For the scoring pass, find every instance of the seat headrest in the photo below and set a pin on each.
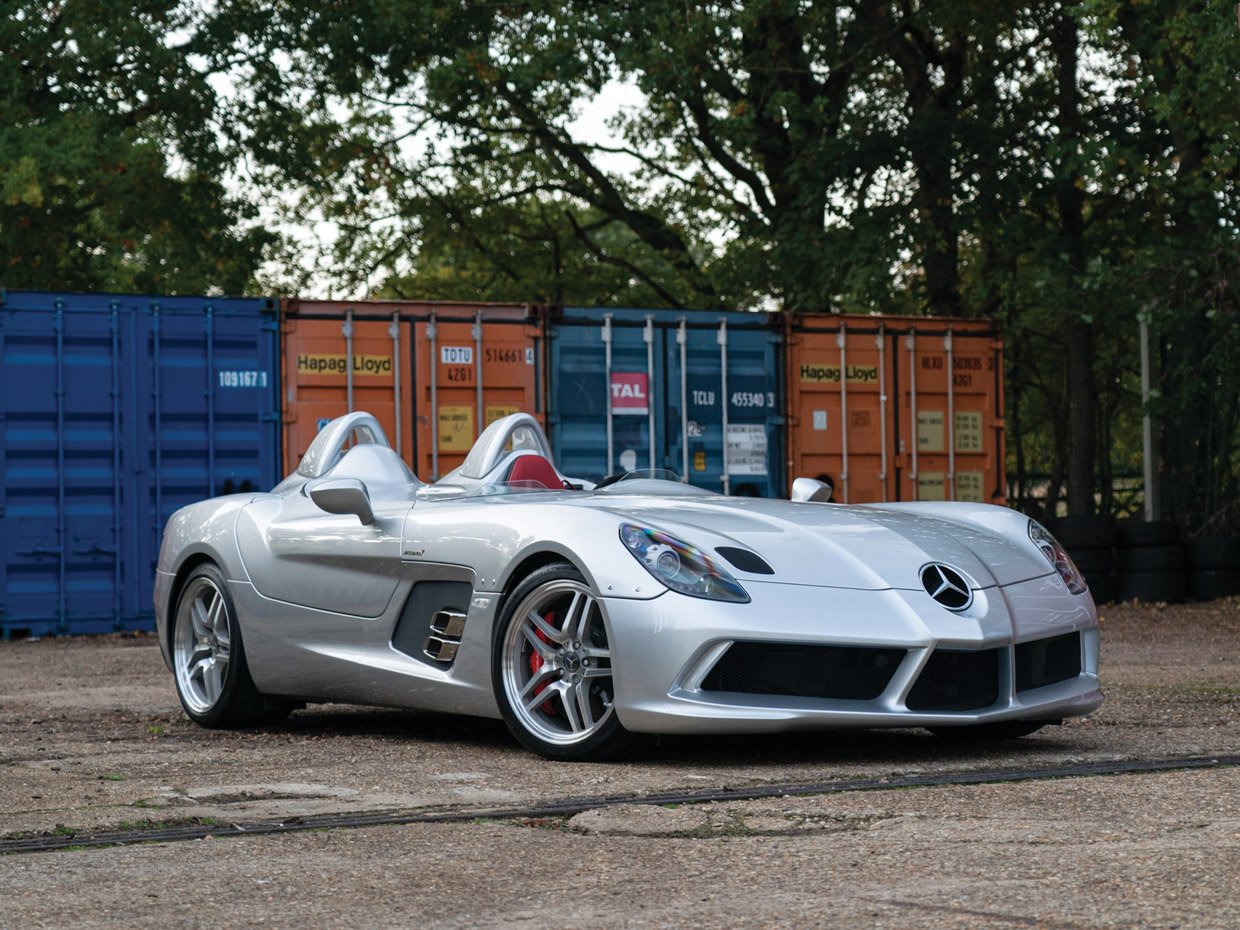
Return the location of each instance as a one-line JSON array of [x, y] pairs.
[[537, 469]]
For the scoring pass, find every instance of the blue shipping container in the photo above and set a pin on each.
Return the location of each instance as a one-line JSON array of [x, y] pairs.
[[115, 410], [631, 389]]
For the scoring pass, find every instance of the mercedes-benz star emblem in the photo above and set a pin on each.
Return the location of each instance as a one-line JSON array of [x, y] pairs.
[[947, 586]]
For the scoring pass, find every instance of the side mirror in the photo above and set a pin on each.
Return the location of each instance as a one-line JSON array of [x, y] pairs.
[[811, 490], [342, 495]]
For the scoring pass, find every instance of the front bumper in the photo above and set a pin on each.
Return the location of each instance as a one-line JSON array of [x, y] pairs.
[[662, 650]]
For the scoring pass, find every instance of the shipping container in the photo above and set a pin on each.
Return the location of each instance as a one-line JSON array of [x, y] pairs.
[[115, 410], [871, 407], [694, 392], [435, 374]]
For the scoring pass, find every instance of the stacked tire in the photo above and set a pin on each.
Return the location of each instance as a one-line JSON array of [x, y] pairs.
[[1213, 568], [1091, 543], [1150, 562]]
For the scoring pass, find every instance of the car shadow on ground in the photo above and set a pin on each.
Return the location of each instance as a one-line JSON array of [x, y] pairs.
[[905, 747]]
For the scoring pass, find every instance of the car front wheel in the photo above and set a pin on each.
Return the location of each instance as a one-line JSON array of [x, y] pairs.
[[552, 669]]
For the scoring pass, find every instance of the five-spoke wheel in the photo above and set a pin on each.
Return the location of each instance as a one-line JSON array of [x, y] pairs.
[[553, 668], [208, 658]]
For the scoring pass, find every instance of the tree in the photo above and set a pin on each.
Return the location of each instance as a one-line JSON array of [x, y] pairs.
[[111, 174]]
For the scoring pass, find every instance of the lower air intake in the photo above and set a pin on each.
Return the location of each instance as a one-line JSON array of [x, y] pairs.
[[1047, 661], [845, 673], [954, 680]]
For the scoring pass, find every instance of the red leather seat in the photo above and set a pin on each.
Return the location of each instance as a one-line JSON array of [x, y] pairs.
[[537, 469]]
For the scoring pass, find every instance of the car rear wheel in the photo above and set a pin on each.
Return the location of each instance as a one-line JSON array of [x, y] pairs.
[[552, 669], [208, 658]]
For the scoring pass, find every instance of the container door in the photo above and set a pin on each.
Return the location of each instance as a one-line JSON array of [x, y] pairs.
[[730, 437], [471, 370], [838, 376], [334, 365], [61, 481], [606, 392], [951, 430]]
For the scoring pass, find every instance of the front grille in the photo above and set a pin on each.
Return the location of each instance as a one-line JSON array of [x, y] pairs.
[[846, 673], [1046, 661], [953, 680]]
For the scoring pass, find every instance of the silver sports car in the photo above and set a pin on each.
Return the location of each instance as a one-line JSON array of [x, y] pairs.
[[585, 615]]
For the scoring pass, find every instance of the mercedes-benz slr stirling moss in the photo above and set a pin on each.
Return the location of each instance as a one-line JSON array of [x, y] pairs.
[[585, 615]]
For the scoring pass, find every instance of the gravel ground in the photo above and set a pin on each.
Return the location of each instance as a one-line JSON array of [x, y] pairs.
[[92, 737]]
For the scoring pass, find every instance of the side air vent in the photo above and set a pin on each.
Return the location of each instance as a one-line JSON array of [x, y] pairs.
[[845, 673], [745, 561], [445, 639], [432, 621]]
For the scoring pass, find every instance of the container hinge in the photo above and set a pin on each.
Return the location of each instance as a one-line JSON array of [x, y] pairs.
[[270, 416]]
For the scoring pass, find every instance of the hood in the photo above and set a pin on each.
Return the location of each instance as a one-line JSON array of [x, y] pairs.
[[838, 545]]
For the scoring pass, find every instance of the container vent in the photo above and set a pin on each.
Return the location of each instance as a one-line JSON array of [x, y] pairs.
[[847, 673], [954, 680], [1047, 661]]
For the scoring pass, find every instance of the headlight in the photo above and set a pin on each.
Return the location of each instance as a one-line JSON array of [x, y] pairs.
[[1058, 556], [680, 566]]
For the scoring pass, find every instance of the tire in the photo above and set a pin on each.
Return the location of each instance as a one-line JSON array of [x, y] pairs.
[[206, 636], [1101, 588], [1152, 559], [1210, 585], [1151, 587], [1219, 554], [1083, 532], [552, 639], [990, 732], [1137, 533], [1094, 561]]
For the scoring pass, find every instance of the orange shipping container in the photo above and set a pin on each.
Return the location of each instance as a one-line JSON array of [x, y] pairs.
[[435, 374], [871, 407]]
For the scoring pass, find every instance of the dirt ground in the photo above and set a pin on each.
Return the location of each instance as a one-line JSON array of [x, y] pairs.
[[92, 737]]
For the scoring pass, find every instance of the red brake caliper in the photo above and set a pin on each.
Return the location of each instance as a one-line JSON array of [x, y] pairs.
[[536, 663]]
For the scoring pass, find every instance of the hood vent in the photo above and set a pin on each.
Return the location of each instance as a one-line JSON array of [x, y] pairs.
[[745, 561]]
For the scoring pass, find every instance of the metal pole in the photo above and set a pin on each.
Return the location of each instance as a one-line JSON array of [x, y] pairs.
[[62, 532], [347, 329], [210, 333], [880, 344], [477, 334], [1147, 426], [394, 332], [611, 448], [432, 335], [911, 341], [682, 340], [951, 418], [648, 335], [117, 503], [841, 340], [722, 338]]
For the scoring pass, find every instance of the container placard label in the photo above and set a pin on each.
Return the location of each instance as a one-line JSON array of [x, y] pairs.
[[498, 412], [456, 428], [930, 433], [969, 487], [456, 355], [817, 373], [746, 449], [968, 431], [820, 420], [242, 378], [932, 486], [630, 394], [373, 365], [529, 355], [699, 461]]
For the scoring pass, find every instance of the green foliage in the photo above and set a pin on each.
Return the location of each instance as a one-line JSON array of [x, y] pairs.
[[111, 176]]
